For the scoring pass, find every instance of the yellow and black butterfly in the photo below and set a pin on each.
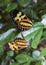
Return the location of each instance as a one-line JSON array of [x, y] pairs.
[[16, 44], [21, 21]]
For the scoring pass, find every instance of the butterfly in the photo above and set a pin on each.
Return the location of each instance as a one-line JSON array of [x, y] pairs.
[[20, 20], [16, 44]]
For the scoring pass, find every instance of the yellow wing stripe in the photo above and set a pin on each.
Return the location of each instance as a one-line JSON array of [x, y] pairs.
[[20, 43], [25, 24]]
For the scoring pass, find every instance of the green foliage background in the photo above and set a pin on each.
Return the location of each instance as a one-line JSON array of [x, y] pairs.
[[36, 11]]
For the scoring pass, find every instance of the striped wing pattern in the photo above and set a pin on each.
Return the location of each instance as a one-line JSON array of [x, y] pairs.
[[17, 44], [21, 20]]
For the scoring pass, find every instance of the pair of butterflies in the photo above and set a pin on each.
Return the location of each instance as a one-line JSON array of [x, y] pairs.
[[22, 23]]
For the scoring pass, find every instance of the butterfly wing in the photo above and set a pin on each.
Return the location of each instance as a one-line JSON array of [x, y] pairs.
[[16, 44], [21, 21]]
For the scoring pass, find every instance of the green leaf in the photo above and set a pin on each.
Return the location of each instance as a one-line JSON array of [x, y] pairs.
[[44, 16], [7, 36], [37, 38], [6, 1], [38, 24], [39, 63], [28, 63], [32, 33], [29, 36], [14, 64], [44, 33], [24, 1], [34, 14], [11, 7], [22, 58], [43, 52], [10, 53]]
